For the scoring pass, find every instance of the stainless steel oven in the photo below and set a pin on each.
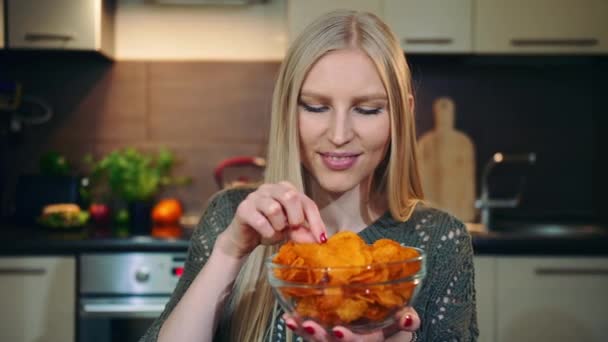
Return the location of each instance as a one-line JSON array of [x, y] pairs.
[[120, 294]]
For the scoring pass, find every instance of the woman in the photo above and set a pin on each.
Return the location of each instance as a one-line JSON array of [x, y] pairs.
[[341, 156]]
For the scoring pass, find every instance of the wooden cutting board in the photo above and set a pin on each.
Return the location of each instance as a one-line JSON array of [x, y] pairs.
[[447, 164]]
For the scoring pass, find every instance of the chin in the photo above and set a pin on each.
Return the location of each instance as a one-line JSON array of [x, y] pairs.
[[337, 184]]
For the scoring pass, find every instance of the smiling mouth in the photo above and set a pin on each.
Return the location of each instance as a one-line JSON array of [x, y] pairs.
[[339, 161]]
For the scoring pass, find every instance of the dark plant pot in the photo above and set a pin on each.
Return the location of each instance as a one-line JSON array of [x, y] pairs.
[[140, 217]]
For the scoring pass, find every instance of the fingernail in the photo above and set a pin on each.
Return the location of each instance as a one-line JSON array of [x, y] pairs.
[[338, 334], [408, 321], [309, 330], [323, 238], [291, 326]]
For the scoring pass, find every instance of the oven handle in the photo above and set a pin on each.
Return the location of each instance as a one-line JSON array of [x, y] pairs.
[[120, 310]]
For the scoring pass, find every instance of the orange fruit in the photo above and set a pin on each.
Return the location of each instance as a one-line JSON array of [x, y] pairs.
[[167, 211]]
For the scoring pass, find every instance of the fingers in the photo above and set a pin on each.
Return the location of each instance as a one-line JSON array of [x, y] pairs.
[[309, 330], [297, 211], [273, 212], [313, 217], [248, 213], [343, 334], [409, 319]]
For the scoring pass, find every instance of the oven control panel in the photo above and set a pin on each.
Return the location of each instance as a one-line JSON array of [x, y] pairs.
[[130, 273]]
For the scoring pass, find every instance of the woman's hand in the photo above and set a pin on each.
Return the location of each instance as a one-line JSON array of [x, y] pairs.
[[407, 322], [269, 215]]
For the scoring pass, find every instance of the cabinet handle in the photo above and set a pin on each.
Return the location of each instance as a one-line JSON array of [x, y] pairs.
[[555, 42], [427, 41], [33, 37], [22, 271], [549, 271]]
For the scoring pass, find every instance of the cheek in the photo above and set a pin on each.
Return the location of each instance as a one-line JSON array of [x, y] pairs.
[[309, 131], [376, 133]]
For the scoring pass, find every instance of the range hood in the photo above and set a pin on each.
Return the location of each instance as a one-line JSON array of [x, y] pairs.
[[206, 2]]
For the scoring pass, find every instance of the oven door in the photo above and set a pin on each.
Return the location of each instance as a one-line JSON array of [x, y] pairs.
[[117, 319]]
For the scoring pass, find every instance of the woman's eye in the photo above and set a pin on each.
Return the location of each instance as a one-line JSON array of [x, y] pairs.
[[368, 111], [313, 109]]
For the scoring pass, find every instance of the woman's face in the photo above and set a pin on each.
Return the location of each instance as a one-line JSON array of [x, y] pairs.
[[343, 120]]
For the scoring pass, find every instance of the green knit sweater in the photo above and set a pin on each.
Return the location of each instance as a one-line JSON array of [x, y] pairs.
[[445, 302]]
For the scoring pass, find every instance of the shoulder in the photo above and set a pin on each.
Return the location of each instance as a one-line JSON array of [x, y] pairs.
[[443, 234], [228, 199], [438, 219]]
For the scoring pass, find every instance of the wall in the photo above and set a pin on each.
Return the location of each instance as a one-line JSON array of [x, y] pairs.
[[202, 111], [207, 111], [240, 32]]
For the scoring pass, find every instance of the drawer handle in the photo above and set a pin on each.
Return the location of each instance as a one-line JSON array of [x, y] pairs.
[[34, 37], [571, 271], [585, 42], [22, 271], [427, 41]]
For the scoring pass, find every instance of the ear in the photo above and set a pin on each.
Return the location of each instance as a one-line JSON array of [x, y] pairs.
[[410, 102]]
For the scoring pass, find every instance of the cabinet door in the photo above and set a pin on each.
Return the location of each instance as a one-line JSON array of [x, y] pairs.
[[431, 25], [301, 13], [56, 24], [541, 26], [552, 299], [37, 299], [1, 24], [485, 288]]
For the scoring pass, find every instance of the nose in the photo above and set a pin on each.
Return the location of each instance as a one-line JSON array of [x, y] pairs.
[[341, 129]]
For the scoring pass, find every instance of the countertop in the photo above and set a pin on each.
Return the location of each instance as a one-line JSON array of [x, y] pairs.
[[33, 240]]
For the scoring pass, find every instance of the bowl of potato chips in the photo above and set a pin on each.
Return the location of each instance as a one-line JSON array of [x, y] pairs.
[[346, 282]]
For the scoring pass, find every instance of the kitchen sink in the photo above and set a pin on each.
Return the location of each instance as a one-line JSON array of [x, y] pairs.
[[548, 229]]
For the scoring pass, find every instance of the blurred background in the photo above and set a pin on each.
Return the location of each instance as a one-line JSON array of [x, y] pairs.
[[135, 112]]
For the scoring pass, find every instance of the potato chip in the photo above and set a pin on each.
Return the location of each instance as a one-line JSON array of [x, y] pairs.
[[363, 282], [351, 309]]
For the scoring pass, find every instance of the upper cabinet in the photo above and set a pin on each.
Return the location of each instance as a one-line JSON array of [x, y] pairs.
[[478, 26], [301, 13], [541, 26], [436, 26], [61, 24], [1, 24]]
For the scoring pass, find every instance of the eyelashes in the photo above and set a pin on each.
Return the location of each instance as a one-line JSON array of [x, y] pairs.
[[321, 109], [313, 109]]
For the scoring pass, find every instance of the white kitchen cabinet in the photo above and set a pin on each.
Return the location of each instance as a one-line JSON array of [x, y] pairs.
[[61, 24], [485, 288], [37, 299], [301, 13], [431, 26], [551, 299], [541, 26]]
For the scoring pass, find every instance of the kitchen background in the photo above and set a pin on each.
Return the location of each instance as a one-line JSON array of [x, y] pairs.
[[525, 76], [184, 86]]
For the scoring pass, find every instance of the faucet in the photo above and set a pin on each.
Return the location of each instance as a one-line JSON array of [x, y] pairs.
[[485, 203]]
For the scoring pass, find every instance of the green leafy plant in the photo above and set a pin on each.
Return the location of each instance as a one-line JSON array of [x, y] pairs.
[[134, 176]]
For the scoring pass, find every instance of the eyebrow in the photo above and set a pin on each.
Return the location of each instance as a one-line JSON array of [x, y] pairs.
[[360, 98]]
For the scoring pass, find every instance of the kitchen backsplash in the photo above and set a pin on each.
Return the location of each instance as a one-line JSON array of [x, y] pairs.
[[208, 111]]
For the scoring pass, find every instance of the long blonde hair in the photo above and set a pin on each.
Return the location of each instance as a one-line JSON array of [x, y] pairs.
[[396, 177]]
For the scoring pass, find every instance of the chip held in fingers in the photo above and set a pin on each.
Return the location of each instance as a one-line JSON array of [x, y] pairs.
[[346, 281]]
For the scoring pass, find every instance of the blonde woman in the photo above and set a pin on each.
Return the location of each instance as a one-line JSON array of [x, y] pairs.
[[341, 157]]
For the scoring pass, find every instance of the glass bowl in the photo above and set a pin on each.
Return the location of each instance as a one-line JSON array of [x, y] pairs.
[[360, 298]]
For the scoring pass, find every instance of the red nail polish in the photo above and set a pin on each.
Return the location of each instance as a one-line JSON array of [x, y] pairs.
[[338, 334], [408, 321], [291, 326], [309, 330], [323, 238]]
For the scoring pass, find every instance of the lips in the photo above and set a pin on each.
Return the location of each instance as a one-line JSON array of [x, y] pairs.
[[339, 160]]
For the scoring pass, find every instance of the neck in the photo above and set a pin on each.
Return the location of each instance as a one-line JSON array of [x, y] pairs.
[[349, 210]]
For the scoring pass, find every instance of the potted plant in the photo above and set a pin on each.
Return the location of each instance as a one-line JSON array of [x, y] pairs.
[[135, 178]]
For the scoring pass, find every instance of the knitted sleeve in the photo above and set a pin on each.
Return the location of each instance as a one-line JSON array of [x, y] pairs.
[[216, 218], [451, 309]]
